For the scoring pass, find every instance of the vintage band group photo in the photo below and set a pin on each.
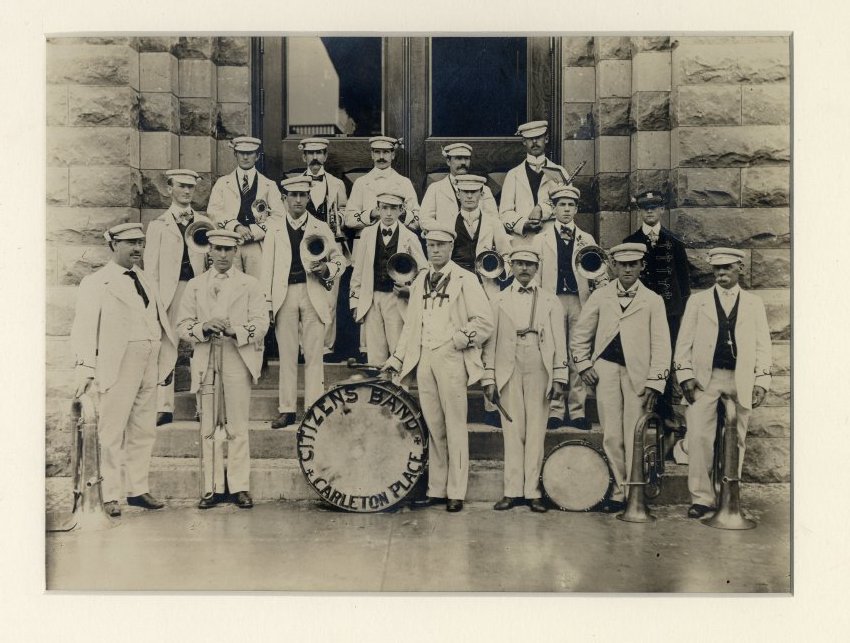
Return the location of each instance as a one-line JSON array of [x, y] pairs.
[[558, 283]]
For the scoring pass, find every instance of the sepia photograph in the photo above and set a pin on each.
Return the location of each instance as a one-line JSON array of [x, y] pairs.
[[422, 312]]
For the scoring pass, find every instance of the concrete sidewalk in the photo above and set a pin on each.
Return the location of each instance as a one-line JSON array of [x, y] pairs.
[[300, 546]]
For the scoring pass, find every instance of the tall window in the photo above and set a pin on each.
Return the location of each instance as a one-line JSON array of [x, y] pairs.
[[333, 86], [478, 86]]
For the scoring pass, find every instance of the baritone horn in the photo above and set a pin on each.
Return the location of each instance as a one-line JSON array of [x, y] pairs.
[[402, 268], [647, 469], [590, 262], [489, 264], [196, 235], [87, 512], [725, 471]]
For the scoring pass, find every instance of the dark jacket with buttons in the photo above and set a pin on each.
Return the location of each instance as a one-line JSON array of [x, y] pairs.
[[666, 272]]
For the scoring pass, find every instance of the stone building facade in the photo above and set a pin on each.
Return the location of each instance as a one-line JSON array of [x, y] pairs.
[[707, 117]]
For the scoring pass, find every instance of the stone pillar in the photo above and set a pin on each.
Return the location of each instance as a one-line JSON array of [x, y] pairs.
[[232, 57], [730, 159], [93, 183], [612, 129]]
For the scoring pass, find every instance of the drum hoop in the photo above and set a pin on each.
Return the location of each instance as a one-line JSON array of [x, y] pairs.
[[583, 443], [395, 390]]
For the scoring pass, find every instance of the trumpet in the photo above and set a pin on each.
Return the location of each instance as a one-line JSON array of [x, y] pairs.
[[260, 210], [213, 414], [724, 470], [489, 264], [196, 235], [402, 268], [590, 262], [87, 512], [647, 469]]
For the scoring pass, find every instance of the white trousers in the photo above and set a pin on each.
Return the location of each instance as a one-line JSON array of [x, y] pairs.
[[382, 325], [524, 398], [236, 379], [250, 260], [619, 410], [441, 378], [298, 309], [330, 328], [701, 417], [574, 406], [165, 393], [127, 423]]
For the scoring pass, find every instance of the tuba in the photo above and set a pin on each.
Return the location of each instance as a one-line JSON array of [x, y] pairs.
[[212, 413], [402, 268], [196, 235], [647, 469], [590, 263], [490, 265], [725, 472], [87, 512]]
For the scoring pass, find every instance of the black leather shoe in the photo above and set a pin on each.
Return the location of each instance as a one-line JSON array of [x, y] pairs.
[[507, 503], [164, 418], [579, 423], [283, 420], [493, 418], [554, 423], [208, 502], [453, 506], [698, 511], [613, 506], [538, 505], [112, 509], [427, 501], [242, 499], [146, 501]]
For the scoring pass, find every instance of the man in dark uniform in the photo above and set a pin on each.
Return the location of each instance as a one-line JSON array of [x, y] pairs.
[[665, 273]]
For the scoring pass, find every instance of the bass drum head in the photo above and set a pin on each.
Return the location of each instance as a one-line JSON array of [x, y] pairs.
[[363, 446], [576, 476]]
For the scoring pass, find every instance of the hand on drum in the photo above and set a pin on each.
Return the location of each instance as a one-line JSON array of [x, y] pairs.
[[491, 393], [689, 389], [589, 376], [650, 396], [388, 367]]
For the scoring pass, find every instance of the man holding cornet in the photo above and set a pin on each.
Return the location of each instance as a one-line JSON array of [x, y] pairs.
[[226, 306], [170, 262], [560, 274], [377, 300], [300, 262], [621, 345], [119, 329], [243, 200], [723, 347]]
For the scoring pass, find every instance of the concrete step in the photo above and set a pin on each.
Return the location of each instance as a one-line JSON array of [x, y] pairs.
[[282, 479], [180, 440], [264, 405]]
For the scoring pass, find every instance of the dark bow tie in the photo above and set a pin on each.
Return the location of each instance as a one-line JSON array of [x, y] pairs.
[[386, 232], [317, 177], [566, 233], [525, 289], [626, 293]]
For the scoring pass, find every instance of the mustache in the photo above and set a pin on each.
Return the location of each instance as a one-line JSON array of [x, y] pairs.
[[315, 162]]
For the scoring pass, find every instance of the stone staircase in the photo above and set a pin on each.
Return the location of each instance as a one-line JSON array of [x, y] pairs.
[[275, 472]]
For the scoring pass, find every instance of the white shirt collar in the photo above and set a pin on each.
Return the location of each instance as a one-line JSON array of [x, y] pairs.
[[471, 217], [230, 272], [176, 209], [515, 286], [647, 229], [121, 269], [535, 160], [299, 222], [391, 228], [731, 292], [445, 270], [321, 172], [387, 173], [632, 289], [249, 173], [570, 226]]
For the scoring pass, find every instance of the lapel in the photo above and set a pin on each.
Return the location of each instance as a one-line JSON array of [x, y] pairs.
[[131, 298], [171, 224], [231, 184], [549, 239], [638, 303], [455, 282], [447, 191], [522, 180], [708, 308]]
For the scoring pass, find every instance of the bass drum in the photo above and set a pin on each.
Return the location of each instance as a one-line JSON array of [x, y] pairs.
[[576, 476], [363, 445]]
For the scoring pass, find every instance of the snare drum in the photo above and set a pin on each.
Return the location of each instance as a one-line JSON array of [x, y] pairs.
[[576, 476], [363, 445]]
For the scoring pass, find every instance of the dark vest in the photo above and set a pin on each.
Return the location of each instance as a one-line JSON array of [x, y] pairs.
[[465, 245], [297, 274], [382, 281], [245, 216], [186, 270], [567, 284], [320, 212], [534, 180], [725, 355], [614, 352]]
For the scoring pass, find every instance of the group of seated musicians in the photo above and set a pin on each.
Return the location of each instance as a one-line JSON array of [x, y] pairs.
[[535, 342]]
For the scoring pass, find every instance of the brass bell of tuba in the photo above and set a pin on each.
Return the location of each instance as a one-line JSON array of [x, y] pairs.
[[196, 235], [260, 210], [316, 247], [489, 264], [402, 268], [647, 469], [590, 262], [725, 471]]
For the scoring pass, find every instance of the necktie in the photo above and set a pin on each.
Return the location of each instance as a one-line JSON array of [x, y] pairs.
[[218, 284], [435, 279], [566, 233], [629, 294], [524, 289], [139, 288], [653, 238], [245, 186], [185, 217], [318, 177], [386, 232]]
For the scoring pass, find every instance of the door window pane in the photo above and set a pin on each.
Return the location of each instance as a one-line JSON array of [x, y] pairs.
[[333, 86], [478, 86]]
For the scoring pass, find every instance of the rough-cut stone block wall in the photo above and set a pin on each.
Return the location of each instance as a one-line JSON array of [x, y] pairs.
[[121, 111]]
